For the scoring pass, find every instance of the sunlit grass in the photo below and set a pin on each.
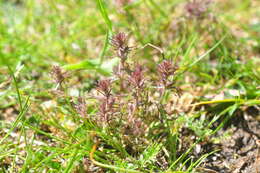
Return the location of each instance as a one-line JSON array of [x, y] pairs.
[[218, 74]]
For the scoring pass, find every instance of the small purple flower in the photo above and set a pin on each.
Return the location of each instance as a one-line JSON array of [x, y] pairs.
[[80, 107], [165, 70], [137, 77], [123, 2], [119, 40], [106, 109], [135, 125], [197, 8], [138, 127], [120, 43], [106, 106], [58, 75], [104, 87]]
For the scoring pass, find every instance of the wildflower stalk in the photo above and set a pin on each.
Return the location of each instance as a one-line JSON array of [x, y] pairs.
[[137, 80], [106, 107], [120, 44]]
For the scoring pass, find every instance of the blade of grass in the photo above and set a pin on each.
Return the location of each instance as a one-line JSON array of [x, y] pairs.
[[91, 156], [230, 110], [106, 68], [105, 48], [47, 134], [183, 70], [218, 101], [192, 42], [16, 87], [116, 144], [157, 7], [150, 153], [19, 117], [200, 160], [241, 101], [72, 160], [173, 165], [65, 150], [103, 11]]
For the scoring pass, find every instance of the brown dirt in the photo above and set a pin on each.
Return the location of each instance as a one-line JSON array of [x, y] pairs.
[[240, 152]]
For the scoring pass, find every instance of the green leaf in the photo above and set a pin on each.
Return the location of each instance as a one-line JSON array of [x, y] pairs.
[[86, 64], [106, 68]]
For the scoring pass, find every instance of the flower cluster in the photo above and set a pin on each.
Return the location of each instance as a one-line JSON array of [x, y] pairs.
[[122, 3], [165, 70], [137, 77], [120, 44], [104, 87], [106, 107], [197, 8], [135, 125], [80, 107], [58, 75], [128, 102]]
